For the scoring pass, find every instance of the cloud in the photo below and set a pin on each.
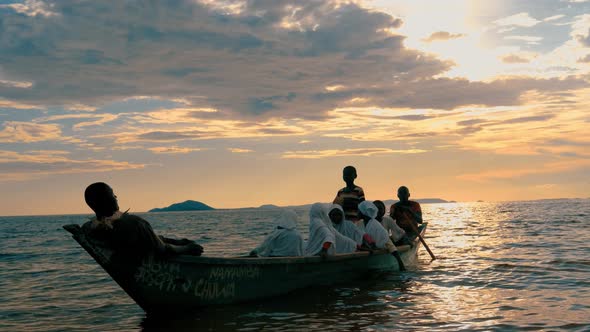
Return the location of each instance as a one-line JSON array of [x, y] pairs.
[[222, 44], [443, 35], [31, 8], [173, 150], [520, 20], [186, 124], [528, 39], [37, 164], [524, 119], [584, 39], [471, 122], [17, 105], [239, 150], [16, 84], [254, 59], [316, 154], [80, 107], [553, 18], [24, 132], [101, 118], [514, 58], [585, 59], [580, 30]]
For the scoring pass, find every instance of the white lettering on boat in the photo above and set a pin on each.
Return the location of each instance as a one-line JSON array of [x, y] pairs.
[[214, 290], [233, 273], [220, 284], [162, 275]]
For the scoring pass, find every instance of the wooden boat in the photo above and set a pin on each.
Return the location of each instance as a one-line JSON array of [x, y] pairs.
[[163, 284]]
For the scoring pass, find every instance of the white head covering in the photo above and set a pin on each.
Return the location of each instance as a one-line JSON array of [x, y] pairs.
[[374, 227], [347, 227], [287, 220], [285, 240], [368, 209], [319, 231]]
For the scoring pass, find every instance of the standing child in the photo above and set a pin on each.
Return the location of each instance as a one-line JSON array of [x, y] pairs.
[[350, 196]]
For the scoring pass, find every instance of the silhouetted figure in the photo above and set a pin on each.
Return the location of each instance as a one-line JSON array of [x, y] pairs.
[[396, 233], [368, 211], [350, 196], [406, 213], [285, 240], [128, 235]]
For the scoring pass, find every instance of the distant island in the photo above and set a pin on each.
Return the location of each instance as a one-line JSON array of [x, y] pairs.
[[198, 206], [184, 206], [269, 207]]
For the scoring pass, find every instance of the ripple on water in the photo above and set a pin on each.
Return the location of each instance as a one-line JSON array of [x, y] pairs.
[[504, 266]]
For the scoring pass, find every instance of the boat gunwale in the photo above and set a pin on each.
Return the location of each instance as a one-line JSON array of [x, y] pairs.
[[273, 260], [77, 232]]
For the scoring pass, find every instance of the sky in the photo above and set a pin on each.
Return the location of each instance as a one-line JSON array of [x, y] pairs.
[[239, 103]]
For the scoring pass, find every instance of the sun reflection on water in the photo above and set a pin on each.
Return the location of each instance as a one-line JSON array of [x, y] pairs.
[[500, 266]]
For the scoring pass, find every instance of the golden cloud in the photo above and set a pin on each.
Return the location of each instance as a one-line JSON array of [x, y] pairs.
[[173, 150], [25, 132], [37, 164], [238, 150], [316, 154]]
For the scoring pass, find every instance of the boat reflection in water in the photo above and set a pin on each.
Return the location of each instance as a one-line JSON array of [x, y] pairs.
[[360, 304]]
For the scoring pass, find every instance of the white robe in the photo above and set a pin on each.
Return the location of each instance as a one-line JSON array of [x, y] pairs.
[[285, 240], [374, 227], [321, 231], [396, 232], [347, 227]]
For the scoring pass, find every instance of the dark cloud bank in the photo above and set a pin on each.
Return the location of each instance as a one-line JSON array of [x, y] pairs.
[[269, 58]]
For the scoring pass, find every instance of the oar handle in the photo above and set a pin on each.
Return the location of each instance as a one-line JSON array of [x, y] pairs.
[[422, 240]]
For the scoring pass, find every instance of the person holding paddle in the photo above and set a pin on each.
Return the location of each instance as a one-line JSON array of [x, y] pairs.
[[406, 213]]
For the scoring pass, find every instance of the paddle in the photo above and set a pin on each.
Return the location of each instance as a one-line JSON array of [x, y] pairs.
[[418, 233], [422, 240]]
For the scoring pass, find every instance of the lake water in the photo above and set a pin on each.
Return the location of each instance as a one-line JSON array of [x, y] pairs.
[[501, 266]]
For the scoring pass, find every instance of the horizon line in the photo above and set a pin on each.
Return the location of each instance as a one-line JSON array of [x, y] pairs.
[[299, 205]]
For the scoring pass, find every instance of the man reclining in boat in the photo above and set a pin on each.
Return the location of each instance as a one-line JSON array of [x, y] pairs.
[[126, 233], [284, 241], [368, 212]]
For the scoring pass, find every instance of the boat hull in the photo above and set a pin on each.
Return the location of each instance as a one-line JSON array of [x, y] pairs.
[[162, 284]]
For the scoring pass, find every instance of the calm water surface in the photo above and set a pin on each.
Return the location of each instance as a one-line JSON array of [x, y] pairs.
[[502, 266]]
